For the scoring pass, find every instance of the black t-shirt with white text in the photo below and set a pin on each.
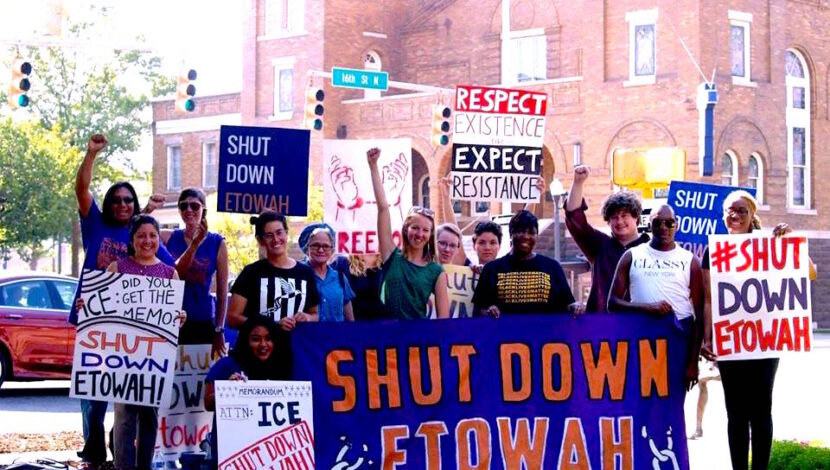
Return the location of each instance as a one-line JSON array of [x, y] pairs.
[[275, 292]]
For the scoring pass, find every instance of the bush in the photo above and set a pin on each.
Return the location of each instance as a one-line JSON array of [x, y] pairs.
[[790, 455]]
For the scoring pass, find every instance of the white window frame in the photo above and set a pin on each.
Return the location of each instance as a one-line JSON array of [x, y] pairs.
[[205, 182], [279, 64], [798, 118], [634, 19], [510, 41], [273, 18], [744, 20], [733, 159], [170, 183], [759, 180], [421, 193]]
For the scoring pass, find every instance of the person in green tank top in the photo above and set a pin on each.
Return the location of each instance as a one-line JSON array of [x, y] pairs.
[[410, 275]]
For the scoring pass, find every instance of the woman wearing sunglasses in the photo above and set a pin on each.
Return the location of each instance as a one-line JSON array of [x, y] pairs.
[[200, 255], [747, 384], [410, 275]]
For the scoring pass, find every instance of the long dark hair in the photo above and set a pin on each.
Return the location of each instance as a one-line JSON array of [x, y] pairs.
[[278, 365], [135, 223], [107, 214]]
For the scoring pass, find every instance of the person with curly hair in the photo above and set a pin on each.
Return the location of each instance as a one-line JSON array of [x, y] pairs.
[[622, 212]]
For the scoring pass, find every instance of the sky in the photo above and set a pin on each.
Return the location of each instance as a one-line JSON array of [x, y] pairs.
[[204, 35]]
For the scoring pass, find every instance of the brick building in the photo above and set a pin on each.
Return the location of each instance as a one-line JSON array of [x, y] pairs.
[[617, 74]]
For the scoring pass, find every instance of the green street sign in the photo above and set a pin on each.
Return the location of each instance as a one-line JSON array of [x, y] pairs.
[[356, 78]]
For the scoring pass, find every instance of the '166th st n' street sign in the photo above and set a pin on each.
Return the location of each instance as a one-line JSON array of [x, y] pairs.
[[355, 78]]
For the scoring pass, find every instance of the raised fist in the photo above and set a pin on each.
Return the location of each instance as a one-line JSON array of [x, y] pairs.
[[581, 173], [96, 143]]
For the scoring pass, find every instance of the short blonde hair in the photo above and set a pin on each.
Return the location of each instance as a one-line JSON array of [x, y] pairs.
[[755, 223]]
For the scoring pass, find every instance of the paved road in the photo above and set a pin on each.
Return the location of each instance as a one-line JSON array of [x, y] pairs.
[[801, 408]]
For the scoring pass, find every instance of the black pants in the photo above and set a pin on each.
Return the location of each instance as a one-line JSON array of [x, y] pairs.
[[747, 389]]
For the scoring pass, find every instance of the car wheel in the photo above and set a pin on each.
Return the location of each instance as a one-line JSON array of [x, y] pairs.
[[5, 366]]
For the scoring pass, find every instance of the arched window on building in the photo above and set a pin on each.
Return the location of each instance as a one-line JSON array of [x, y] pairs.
[[423, 195], [729, 169], [755, 176], [372, 62], [798, 130]]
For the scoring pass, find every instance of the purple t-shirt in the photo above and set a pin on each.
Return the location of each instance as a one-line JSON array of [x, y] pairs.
[[197, 300], [104, 244]]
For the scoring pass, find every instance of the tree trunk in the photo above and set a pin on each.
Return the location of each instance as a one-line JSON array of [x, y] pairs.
[[76, 247]]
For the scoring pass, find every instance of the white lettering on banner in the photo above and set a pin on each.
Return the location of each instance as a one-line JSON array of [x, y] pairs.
[[499, 100], [249, 174], [496, 159], [695, 200], [248, 145], [494, 186]]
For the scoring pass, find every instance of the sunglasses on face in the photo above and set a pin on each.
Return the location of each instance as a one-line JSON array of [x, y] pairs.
[[116, 200], [657, 223], [194, 206], [422, 211], [741, 211]]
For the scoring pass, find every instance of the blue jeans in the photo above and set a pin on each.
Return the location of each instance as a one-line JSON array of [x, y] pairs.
[[95, 448]]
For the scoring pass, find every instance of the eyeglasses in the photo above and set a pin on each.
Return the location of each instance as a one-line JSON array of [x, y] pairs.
[[741, 211], [194, 206], [657, 223], [319, 247], [446, 245], [269, 236], [116, 200], [422, 211]]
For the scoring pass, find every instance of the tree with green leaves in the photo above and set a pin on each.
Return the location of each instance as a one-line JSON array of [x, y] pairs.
[[76, 94]]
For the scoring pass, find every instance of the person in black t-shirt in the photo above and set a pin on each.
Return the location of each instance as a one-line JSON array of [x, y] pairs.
[[523, 281], [277, 286]]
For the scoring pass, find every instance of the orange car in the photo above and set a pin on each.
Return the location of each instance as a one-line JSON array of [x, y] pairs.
[[36, 338]]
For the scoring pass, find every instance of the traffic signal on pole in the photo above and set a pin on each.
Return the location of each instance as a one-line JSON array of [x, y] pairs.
[[186, 91], [20, 83], [314, 108], [441, 125]]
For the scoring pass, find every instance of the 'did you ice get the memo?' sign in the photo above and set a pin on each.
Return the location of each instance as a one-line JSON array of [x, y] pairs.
[[126, 339], [263, 168], [760, 295]]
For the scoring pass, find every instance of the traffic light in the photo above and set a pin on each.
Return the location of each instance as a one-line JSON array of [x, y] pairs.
[[314, 108], [20, 83], [185, 92], [440, 125]]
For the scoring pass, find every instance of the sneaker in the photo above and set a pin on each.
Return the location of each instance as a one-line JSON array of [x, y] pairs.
[[697, 435]]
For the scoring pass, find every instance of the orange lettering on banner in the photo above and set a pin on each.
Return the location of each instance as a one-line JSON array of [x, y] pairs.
[[517, 448], [654, 368], [606, 369], [431, 432], [480, 431], [375, 379], [391, 455], [563, 352], [347, 383], [462, 353], [416, 375], [621, 444], [508, 351], [574, 452]]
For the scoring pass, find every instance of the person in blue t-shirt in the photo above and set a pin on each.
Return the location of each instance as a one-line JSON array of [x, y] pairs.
[[200, 255], [256, 355], [105, 233], [336, 295]]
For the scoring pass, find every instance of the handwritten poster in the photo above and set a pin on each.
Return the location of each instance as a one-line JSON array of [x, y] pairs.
[[348, 198], [264, 424], [127, 338], [498, 135], [183, 422], [461, 284], [760, 296]]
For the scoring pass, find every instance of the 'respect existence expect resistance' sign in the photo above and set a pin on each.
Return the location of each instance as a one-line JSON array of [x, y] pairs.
[[497, 144], [263, 168]]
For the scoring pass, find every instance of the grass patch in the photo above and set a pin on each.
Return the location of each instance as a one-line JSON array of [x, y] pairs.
[[794, 455]]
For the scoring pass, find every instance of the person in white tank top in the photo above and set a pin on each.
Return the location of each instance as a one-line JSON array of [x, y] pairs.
[[662, 278]]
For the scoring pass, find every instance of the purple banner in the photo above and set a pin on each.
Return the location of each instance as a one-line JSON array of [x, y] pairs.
[[543, 391]]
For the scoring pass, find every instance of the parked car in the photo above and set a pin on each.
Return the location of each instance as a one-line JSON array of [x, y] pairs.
[[36, 338]]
